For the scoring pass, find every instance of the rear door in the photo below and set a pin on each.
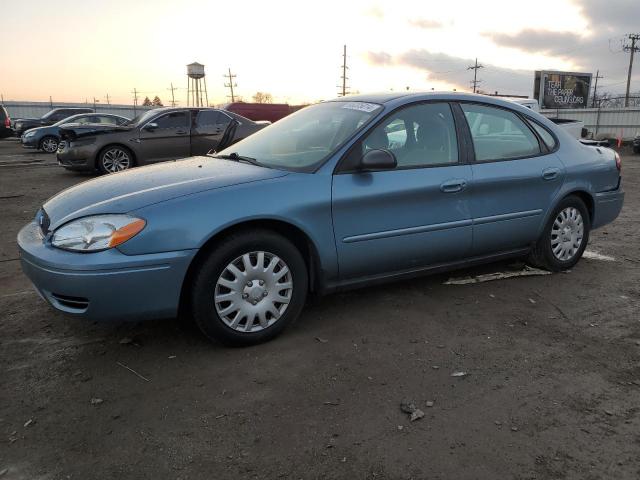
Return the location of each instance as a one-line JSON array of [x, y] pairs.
[[170, 140], [515, 178], [410, 217], [208, 130]]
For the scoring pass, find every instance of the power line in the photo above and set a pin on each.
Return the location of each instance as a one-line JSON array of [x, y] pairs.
[[475, 82], [231, 84], [633, 37], [173, 99], [595, 89], [135, 101], [344, 92]]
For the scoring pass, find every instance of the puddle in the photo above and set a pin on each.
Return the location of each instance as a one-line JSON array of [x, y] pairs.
[[591, 255], [489, 277]]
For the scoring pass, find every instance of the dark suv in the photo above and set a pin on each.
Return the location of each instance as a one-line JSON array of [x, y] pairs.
[[49, 118], [5, 123]]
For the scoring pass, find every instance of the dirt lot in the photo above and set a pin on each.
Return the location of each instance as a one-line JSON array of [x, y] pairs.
[[552, 391]]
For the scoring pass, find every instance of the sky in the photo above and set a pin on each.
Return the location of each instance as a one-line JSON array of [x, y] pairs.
[[83, 49]]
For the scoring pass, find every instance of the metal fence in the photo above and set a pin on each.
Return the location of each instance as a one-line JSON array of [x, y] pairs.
[[18, 109], [610, 122]]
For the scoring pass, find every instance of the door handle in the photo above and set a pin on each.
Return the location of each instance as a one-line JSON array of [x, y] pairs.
[[550, 173], [453, 186]]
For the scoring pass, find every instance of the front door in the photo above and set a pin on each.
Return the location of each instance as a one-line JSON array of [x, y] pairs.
[[208, 131], [410, 217], [168, 141], [515, 178]]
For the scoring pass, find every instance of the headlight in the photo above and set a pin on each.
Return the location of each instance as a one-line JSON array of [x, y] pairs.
[[29, 134], [95, 233]]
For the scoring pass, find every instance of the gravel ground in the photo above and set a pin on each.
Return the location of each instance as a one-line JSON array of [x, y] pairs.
[[552, 387]]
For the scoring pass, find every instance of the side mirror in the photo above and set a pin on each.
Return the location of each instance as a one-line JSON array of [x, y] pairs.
[[151, 126], [378, 160]]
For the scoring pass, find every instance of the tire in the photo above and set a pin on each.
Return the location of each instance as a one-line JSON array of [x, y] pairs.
[[114, 159], [562, 244], [49, 144], [239, 306], [636, 149]]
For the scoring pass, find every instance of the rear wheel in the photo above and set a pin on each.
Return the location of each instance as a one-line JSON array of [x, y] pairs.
[[564, 238], [49, 144], [115, 159], [249, 289]]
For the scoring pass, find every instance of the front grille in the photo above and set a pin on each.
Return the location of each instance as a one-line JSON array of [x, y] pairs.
[[73, 303], [44, 222]]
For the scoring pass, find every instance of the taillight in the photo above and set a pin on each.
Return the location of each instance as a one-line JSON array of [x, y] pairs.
[[7, 122], [618, 162]]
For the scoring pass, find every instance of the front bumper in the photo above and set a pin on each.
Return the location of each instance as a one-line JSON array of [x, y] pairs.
[[607, 207], [30, 142], [107, 285], [76, 157]]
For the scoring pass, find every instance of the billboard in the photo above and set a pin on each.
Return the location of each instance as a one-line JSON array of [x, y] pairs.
[[555, 89]]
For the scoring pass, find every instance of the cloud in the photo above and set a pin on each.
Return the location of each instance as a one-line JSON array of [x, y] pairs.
[[536, 41], [441, 67], [598, 48], [378, 58], [425, 24]]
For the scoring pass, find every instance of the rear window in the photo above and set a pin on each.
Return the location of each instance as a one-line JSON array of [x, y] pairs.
[[3, 113]]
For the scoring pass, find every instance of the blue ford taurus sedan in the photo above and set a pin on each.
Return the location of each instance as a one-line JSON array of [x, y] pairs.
[[341, 194]]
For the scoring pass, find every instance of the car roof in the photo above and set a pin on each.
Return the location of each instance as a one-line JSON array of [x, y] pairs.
[[392, 99]]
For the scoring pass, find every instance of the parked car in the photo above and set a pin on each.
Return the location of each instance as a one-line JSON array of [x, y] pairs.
[[636, 144], [155, 136], [322, 201], [53, 116], [48, 138], [5, 123], [575, 128]]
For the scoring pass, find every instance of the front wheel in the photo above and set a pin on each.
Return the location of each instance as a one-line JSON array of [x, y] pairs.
[[564, 238], [115, 159], [49, 144], [249, 289]]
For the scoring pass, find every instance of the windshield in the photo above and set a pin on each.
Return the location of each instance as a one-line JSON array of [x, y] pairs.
[[69, 119], [303, 140], [143, 117]]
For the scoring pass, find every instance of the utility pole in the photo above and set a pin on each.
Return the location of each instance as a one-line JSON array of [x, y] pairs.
[[343, 89], [50, 102], [107, 98], [135, 101], [595, 89], [634, 37], [94, 103], [231, 84], [475, 68], [173, 98]]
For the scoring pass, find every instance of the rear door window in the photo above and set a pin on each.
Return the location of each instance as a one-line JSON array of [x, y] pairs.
[[499, 134]]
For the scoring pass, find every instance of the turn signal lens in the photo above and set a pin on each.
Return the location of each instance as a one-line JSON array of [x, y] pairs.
[[123, 234]]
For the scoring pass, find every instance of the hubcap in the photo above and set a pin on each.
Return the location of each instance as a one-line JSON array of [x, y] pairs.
[[115, 160], [253, 291], [49, 145], [567, 233]]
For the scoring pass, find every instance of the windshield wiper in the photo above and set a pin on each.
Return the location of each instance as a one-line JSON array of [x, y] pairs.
[[239, 158]]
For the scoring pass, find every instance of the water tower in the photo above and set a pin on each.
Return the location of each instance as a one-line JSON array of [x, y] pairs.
[[195, 81]]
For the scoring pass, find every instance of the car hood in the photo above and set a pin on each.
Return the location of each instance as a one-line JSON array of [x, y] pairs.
[[139, 187], [41, 130], [71, 131], [28, 120]]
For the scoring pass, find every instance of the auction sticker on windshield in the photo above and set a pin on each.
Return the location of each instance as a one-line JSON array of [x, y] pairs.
[[362, 106]]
